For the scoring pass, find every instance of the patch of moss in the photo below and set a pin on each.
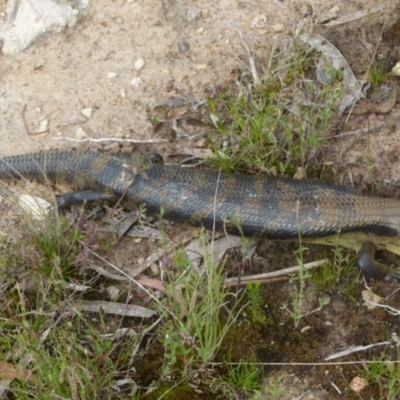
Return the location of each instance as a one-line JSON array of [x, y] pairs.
[[148, 367], [243, 342]]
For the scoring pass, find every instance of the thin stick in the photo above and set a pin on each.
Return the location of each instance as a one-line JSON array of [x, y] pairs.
[[112, 140], [275, 274]]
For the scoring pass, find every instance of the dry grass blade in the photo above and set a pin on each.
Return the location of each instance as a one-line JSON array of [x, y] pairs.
[[252, 64], [354, 349], [126, 310], [107, 274], [357, 15]]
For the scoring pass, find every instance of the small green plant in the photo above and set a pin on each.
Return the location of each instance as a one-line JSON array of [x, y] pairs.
[[377, 74], [244, 377], [194, 325], [386, 375], [255, 306], [298, 294], [264, 127], [51, 348], [333, 269], [58, 246]]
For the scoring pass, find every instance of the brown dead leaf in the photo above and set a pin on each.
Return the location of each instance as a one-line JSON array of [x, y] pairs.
[[153, 283], [9, 371]]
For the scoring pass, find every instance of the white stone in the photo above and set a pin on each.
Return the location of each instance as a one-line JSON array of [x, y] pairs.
[[136, 82], [396, 69], [32, 20], [277, 27], [139, 64], [44, 126], [112, 75], [113, 292], [37, 207], [87, 112]]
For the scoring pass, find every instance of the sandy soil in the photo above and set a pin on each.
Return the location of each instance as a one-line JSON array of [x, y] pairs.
[[59, 76]]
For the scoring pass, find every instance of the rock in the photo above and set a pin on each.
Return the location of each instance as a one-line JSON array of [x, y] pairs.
[[192, 13], [136, 82], [87, 112], [76, 119], [396, 69], [32, 20], [112, 148], [80, 134], [358, 384], [139, 64], [183, 46], [37, 207], [277, 27], [113, 292], [44, 126]]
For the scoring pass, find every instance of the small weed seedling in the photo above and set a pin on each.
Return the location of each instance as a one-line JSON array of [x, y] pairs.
[[255, 305]]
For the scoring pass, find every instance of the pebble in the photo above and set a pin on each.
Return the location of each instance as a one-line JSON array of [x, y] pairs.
[[44, 126], [358, 384], [277, 27], [35, 206], [193, 13], [112, 75], [112, 148], [80, 134], [396, 69], [200, 66], [183, 46], [136, 82], [139, 64], [87, 112], [154, 269], [113, 292]]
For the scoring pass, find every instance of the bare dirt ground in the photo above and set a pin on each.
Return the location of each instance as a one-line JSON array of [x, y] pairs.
[[61, 75], [189, 48]]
